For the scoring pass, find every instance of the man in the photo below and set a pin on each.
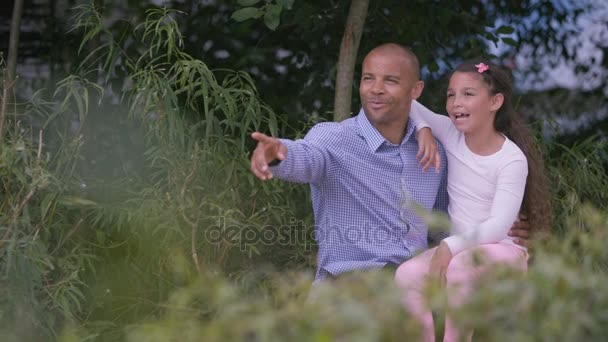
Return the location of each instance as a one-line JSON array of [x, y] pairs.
[[364, 173]]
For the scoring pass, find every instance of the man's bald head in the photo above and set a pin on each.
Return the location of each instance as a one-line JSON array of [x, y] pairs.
[[397, 49], [390, 81]]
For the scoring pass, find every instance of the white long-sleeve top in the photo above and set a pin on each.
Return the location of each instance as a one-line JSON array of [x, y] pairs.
[[485, 192]]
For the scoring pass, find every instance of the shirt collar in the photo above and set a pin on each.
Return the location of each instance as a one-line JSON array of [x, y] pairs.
[[371, 135]]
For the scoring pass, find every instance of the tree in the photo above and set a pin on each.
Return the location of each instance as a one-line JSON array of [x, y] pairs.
[[295, 66], [11, 67], [347, 60], [441, 33]]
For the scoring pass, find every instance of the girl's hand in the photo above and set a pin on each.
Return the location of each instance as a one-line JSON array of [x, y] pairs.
[[428, 153], [439, 264]]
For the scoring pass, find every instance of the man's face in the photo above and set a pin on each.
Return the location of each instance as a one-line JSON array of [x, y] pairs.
[[388, 86]]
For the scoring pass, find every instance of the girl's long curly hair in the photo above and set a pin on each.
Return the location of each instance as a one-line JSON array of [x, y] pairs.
[[537, 197]]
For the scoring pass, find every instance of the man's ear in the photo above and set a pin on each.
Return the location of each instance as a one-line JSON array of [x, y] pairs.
[[497, 101], [417, 89]]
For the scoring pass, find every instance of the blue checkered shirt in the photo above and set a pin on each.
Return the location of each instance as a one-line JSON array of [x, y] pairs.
[[362, 190]]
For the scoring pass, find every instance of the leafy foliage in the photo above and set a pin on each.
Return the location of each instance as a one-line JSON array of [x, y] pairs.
[[270, 10], [363, 306], [40, 262], [61, 227], [151, 227], [577, 173]]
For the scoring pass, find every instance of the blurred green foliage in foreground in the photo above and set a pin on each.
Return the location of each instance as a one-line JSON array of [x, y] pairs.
[[174, 239]]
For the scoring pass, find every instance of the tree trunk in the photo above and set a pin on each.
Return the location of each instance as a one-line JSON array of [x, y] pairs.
[[11, 63], [348, 56], [13, 44]]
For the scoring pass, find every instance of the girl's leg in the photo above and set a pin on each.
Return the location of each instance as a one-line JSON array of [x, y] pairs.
[[467, 266], [411, 277]]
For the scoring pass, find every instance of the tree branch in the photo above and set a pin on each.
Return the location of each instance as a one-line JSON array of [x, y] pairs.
[[348, 56], [3, 109], [13, 44]]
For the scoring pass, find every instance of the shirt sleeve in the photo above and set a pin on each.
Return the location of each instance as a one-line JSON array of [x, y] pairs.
[[312, 159], [441, 203], [505, 208], [423, 117]]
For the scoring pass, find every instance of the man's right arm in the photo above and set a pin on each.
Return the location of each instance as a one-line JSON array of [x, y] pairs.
[[303, 161], [268, 150]]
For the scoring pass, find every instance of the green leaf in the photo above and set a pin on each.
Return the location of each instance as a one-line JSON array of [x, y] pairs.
[[46, 203], [272, 17], [445, 15], [505, 30], [101, 237], [73, 201], [288, 4], [247, 3], [434, 67], [510, 41], [247, 13]]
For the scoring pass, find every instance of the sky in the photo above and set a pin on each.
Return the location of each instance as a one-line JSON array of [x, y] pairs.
[[591, 35]]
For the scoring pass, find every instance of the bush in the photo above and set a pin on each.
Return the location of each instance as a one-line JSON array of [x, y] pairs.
[[98, 250], [562, 298]]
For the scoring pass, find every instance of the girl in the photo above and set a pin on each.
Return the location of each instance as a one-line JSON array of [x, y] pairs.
[[490, 155]]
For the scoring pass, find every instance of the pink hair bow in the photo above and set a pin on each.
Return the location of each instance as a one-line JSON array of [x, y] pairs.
[[481, 67]]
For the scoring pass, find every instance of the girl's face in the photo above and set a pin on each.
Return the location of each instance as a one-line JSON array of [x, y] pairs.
[[470, 104]]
